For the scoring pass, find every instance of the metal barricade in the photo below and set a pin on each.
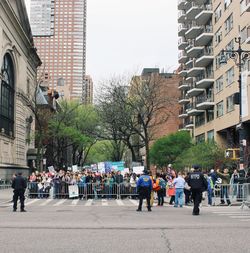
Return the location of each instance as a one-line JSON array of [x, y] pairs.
[[127, 190], [223, 193], [246, 196], [5, 186]]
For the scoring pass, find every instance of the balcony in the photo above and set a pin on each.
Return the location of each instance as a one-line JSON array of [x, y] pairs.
[[204, 82], [193, 11], [199, 1], [182, 29], [205, 36], [181, 16], [182, 43], [189, 124], [194, 71], [245, 6], [205, 57], [181, 4], [205, 15], [183, 100], [194, 91], [193, 31], [182, 57], [193, 51], [193, 111], [182, 113], [205, 102], [183, 85]]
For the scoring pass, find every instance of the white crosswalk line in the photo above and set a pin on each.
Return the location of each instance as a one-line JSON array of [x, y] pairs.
[[89, 202], [74, 202], [60, 202], [119, 202], [46, 202], [31, 202], [104, 202], [239, 217], [134, 202]]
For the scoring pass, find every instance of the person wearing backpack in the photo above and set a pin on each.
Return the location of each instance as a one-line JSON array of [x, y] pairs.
[[161, 190]]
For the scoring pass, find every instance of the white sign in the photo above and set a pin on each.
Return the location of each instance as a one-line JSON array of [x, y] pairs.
[[138, 169], [244, 100], [74, 168], [126, 170], [51, 169], [73, 191], [101, 167]]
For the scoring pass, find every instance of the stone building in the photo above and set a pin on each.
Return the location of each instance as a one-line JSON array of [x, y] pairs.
[[18, 62]]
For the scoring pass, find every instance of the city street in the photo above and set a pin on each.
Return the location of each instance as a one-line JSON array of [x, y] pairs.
[[115, 226]]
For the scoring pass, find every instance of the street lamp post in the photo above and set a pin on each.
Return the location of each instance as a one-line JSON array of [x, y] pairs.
[[239, 56]]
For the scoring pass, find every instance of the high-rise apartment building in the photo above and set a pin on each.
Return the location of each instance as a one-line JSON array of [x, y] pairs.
[[206, 27], [59, 30], [88, 92]]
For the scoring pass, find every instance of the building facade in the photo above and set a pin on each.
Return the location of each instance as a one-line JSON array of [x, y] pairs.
[[19, 62], [208, 87], [88, 92], [59, 29]]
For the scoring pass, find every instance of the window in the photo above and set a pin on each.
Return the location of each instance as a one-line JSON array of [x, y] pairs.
[[219, 84], [210, 135], [230, 76], [210, 115], [230, 103], [219, 109], [200, 138], [199, 120], [227, 3], [217, 13], [229, 24], [218, 36], [7, 96]]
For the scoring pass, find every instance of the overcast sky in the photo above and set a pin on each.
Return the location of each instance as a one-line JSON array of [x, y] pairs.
[[127, 35], [124, 36]]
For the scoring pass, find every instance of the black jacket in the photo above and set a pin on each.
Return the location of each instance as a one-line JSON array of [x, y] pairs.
[[196, 180], [19, 183]]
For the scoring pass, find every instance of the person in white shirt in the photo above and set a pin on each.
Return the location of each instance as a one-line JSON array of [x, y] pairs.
[[179, 184]]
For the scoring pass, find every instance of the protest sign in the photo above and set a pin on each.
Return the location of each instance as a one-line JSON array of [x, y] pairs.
[[73, 191], [138, 169]]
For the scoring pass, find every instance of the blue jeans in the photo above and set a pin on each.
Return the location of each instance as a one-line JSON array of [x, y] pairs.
[[178, 197], [209, 196]]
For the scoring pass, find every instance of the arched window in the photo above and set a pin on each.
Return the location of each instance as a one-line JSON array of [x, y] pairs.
[[7, 92]]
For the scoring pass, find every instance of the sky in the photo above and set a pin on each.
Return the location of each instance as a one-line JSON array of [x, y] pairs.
[[124, 36]]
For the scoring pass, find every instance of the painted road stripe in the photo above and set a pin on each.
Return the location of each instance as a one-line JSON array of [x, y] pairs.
[[32, 202], [104, 202], [74, 202], [134, 202], [60, 202], [89, 202], [46, 202], [119, 202]]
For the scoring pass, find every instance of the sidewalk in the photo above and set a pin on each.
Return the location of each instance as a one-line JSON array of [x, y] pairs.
[[6, 195]]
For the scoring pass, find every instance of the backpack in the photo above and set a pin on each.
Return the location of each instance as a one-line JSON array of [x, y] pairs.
[[162, 183]]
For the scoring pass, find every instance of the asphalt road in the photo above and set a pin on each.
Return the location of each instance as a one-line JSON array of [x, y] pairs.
[[115, 226]]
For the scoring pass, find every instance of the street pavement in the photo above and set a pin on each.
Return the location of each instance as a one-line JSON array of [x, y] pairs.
[[114, 226]]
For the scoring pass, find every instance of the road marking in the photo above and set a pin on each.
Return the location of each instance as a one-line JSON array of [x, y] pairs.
[[60, 202], [104, 202], [134, 202], [32, 202], [239, 217], [74, 202], [46, 202], [119, 202], [89, 202]]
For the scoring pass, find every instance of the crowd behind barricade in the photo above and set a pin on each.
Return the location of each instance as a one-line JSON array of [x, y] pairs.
[[221, 185]]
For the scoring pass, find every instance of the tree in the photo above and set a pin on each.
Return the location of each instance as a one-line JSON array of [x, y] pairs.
[[166, 149], [206, 154]]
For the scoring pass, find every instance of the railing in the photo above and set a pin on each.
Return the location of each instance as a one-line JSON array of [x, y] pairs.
[[202, 99], [207, 29], [82, 190]]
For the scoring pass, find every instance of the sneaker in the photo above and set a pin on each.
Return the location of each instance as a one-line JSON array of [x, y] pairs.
[[229, 204], [23, 211], [138, 210]]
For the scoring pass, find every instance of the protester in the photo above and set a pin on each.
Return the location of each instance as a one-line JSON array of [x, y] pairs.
[[225, 186], [179, 184]]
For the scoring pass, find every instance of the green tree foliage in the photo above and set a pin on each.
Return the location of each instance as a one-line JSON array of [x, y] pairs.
[[206, 154], [166, 149]]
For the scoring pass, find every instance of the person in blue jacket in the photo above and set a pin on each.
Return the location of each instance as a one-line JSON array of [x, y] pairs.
[[144, 188]]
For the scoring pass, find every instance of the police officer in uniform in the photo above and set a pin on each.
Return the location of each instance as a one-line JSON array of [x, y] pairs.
[[19, 185], [144, 188], [198, 184]]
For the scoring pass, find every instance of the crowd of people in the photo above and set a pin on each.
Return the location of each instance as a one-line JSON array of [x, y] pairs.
[[108, 185]]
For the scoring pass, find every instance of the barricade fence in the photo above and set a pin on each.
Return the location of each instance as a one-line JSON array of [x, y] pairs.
[[5, 186], [246, 195], [60, 190]]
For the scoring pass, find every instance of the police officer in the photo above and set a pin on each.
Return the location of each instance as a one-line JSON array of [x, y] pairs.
[[19, 185], [198, 184], [144, 188]]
